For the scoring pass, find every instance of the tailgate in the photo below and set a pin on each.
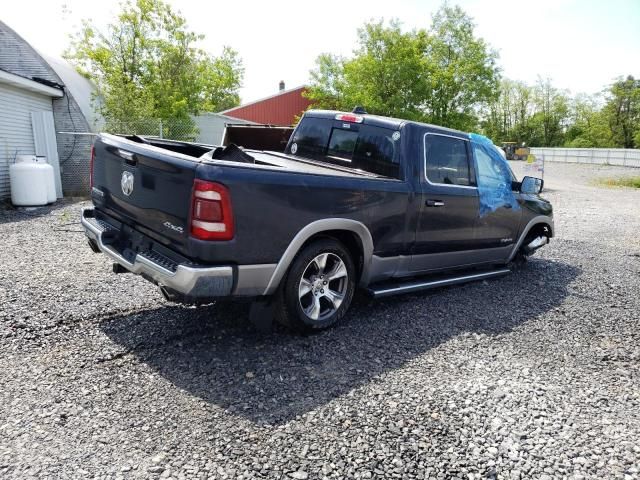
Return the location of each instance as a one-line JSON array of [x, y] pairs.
[[145, 187]]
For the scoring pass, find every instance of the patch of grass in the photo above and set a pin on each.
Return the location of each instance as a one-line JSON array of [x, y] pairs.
[[633, 182]]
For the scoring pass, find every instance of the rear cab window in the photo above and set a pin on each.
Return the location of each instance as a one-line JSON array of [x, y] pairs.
[[361, 146]]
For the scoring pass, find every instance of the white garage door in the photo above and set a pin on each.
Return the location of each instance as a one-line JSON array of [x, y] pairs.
[[16, 133]]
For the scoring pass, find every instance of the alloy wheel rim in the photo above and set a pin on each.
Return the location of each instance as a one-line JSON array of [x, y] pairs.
[[323, 286]]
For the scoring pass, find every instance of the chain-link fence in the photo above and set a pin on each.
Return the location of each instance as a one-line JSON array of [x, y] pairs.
[[75, 147], [174, 129]]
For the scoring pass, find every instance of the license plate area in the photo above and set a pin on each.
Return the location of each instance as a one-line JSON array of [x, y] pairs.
[[132, 242], [129, 242]]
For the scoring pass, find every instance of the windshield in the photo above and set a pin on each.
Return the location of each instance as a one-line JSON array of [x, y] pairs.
[[364, 147]]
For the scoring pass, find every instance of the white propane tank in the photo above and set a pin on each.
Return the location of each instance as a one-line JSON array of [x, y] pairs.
[[51, 181], [28, 181]]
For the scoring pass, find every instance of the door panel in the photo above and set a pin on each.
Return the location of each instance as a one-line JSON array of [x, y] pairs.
[[498, 228], [449, 204], [498, 223], [445, 227]]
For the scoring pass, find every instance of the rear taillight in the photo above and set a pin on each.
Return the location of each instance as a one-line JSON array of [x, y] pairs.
[[93, 156], [211, 215]]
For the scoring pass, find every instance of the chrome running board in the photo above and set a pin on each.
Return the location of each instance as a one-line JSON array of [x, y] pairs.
[[387, 289]]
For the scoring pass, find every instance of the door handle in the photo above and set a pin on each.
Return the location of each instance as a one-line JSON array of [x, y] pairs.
[[507, 205], [434, 203], [129, 157]]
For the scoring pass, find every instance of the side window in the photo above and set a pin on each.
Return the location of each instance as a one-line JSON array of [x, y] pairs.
[[492, 173], [447, 161]]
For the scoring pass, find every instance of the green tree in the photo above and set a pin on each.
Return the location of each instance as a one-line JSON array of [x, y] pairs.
[[443, 75], [508, 115], [589, 127], [146, 65], [552, 113], [327, 89], [623, 112], [546, 116], [382, 76], [461, 73], [535, 116]]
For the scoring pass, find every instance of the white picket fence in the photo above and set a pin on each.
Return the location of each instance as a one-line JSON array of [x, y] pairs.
[[600, 156]]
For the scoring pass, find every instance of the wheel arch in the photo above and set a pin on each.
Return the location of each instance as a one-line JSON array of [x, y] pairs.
[[539, 222], [353, 234]]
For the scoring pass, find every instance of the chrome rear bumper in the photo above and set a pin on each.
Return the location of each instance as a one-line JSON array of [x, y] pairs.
[[199, 282]]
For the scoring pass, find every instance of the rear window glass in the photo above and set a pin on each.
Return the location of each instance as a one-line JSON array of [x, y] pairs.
[[342, 143], [365, 147]]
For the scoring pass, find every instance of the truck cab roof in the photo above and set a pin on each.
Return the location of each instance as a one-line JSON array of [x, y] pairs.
[[385, 122]]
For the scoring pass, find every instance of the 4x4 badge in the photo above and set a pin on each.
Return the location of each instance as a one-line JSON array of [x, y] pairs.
[[126, 182]]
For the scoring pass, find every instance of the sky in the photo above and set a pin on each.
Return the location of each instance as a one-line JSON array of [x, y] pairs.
[[581, 45]]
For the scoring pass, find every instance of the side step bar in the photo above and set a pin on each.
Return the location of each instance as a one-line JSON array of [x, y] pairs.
[[378, 291]]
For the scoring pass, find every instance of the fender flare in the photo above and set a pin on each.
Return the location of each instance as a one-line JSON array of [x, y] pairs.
[[315, 228], [540, 219]]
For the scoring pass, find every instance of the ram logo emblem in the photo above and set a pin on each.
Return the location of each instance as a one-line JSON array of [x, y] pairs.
[[126, 183]]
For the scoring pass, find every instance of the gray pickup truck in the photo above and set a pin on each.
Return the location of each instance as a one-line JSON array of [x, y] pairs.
[[355, 200]]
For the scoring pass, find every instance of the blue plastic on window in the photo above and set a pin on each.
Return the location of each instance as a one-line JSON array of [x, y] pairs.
[[494, 176]]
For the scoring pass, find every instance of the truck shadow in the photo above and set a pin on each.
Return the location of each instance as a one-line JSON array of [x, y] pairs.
[[214, 353]]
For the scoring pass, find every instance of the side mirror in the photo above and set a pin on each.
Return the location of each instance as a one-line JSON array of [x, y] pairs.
[[531, 185]]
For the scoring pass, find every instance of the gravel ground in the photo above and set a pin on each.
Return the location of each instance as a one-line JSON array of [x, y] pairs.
[[534, 375]]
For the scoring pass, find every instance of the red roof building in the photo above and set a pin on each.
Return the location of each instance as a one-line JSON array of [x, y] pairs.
[[280, 109]]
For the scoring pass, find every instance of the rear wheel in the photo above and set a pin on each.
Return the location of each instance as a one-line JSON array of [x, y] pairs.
[[318, 288]]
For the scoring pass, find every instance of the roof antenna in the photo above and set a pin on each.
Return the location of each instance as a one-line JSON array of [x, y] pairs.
[[358, 109]]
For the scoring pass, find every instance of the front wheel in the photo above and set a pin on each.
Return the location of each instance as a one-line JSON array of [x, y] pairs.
[[318, 288]]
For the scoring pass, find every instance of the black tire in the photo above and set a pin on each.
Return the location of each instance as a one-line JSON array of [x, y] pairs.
[[295, 309]]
